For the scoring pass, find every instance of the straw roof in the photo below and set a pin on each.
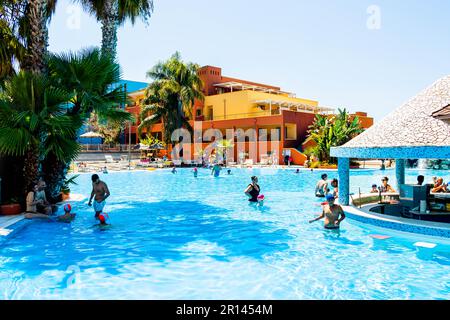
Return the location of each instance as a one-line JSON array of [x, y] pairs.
[[416, 124], [413, 123]]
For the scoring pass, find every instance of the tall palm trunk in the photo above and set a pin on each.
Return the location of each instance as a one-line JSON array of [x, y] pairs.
[[35, 62], [38, 36], [30, 167], [54, 172], [110, 23]]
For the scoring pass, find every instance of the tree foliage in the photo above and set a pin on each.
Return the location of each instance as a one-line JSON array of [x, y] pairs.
[[170, 97], [332, 131]]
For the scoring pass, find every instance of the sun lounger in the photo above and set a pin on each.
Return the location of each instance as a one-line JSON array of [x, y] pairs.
[[109, 158]]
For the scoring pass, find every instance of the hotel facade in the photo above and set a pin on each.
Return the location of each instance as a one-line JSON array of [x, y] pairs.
[[265, 123]]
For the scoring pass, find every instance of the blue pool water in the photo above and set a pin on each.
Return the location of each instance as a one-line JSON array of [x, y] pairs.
[[177, 237]]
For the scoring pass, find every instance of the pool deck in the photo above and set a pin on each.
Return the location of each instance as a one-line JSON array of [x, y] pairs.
[[429, 228], [8, 221]]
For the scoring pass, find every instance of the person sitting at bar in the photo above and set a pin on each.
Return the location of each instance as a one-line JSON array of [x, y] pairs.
[[439, 186], [420, 180], [335, 188], [374, 189], [385, 187]]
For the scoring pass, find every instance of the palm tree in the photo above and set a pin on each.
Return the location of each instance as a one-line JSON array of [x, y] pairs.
[[170, 98], [24, 23], [11, 50], [223, 146], [114, 13], [33, 122], [92, 79], [334, 131]]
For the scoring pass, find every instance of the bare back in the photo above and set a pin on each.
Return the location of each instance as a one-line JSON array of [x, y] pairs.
[[100, 190]]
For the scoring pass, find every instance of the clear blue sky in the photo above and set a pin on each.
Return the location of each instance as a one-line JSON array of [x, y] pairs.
[[320, 49]]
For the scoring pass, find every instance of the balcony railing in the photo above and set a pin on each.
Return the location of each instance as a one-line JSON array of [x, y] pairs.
[[267, 113], [107, 147]]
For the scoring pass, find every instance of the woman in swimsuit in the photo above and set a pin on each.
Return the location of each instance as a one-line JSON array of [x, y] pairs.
[[253, 190]]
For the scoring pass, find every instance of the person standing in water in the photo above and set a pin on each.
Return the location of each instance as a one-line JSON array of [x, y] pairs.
[[333, 214], [322, 186], [252, 191], [216, 170], [101, 192], [195, 170]]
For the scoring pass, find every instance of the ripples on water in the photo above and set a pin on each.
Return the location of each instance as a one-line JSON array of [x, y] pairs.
[[177, 237]]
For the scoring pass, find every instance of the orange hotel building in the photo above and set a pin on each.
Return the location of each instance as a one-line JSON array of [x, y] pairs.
[[232, 103]]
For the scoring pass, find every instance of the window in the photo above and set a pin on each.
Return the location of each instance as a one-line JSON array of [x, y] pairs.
[[198, 112]]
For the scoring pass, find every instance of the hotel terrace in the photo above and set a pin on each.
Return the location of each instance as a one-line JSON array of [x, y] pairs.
[[232, 103]]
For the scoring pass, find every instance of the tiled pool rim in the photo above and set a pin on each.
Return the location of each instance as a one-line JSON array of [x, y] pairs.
[[428, 228], [11, 225]]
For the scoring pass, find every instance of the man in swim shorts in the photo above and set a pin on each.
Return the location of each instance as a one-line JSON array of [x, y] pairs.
[[101, 192], [332, 213], [322, 186]]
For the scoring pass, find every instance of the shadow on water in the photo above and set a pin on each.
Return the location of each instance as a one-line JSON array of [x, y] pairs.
[[157, 231]]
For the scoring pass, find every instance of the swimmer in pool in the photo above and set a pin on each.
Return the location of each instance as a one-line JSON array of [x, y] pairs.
[[332, 213], [252, 191], [216, 170], [195, 170], [322, 186], [99, 192], [66, 217]]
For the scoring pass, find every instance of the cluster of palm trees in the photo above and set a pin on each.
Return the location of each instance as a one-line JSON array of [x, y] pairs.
[[45, 98], [327, 132]]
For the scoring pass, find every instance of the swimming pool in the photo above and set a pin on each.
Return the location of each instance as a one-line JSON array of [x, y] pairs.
[[177, 237]]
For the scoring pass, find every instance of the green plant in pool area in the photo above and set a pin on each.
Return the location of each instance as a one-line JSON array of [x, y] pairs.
[[33, 123], [149, 140], [222, 148], [13, 200], [327, 132], [67, 182]]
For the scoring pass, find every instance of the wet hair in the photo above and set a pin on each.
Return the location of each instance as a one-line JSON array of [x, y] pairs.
[[335, 181], [324, 176], [420, 178], [254, 177], [374, 186], [385, 178], [95, 177]]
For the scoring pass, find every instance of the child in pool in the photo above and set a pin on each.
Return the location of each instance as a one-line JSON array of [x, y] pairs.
[[66, 217]]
